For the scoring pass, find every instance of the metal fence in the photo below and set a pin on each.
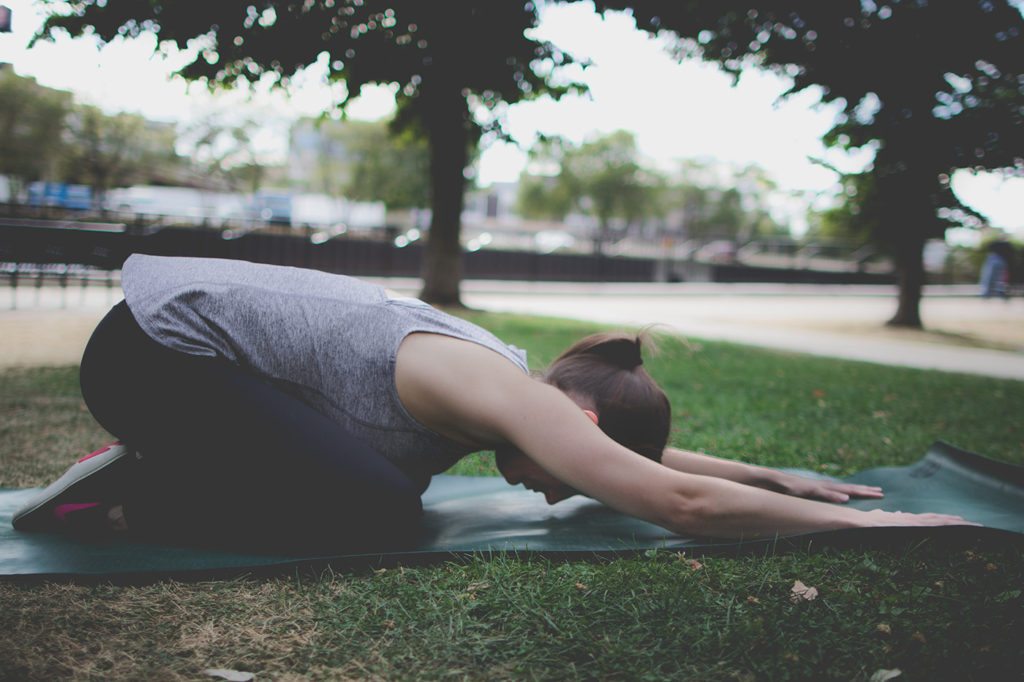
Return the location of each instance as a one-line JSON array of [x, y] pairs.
[[36, 251]]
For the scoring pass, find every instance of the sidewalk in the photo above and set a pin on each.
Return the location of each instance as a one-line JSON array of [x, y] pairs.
[[966, 334]]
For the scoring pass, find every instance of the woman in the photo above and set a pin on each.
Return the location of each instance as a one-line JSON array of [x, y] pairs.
[[284, 406]]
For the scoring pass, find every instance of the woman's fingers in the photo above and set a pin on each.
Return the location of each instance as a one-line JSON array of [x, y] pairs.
[[943, 520], [899, 518], [842, 492], [855, 490]]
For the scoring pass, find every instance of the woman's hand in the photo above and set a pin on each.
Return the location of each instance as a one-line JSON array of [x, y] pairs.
[[826, 491]]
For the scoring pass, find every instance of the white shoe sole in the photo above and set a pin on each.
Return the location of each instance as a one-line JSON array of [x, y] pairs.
[[80, 480]]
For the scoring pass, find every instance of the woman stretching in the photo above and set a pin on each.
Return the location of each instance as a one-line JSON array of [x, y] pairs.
[[292, 407]]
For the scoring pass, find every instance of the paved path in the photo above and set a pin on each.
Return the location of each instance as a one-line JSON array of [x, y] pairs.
[[49, 327]]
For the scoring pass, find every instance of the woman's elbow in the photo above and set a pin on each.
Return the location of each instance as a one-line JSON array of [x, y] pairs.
[[685, 514]]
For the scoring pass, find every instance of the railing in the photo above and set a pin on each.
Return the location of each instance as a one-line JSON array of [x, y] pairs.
[[65, 253], [41, 278]]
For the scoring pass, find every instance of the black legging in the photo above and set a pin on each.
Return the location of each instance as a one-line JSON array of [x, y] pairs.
[[229, 458]]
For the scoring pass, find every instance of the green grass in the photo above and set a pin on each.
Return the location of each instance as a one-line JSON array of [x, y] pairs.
[[932, 613]]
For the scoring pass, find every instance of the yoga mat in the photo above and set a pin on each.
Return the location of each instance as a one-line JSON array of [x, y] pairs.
[[472, 515]]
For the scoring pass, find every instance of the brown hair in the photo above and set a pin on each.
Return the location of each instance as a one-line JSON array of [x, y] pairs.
[[606, 372]]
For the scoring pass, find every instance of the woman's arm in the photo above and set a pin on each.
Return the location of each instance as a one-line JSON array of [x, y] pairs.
[[471, 393], [763, 477], [551, 429]]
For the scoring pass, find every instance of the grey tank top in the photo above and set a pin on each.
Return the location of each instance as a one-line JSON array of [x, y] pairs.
[[329, 340]]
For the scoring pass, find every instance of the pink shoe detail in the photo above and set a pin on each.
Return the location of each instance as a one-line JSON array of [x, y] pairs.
[[100, 451], [61, 511]]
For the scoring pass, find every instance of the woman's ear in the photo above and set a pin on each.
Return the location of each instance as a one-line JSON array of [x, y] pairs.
[[591, 414]]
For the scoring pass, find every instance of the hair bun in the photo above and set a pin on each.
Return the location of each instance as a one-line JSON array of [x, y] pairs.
[[624, 352]]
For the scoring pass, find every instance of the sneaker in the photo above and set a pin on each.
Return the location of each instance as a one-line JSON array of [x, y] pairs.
[[89, 483]]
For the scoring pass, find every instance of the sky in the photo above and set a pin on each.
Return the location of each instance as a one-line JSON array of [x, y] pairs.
[[677, 111]]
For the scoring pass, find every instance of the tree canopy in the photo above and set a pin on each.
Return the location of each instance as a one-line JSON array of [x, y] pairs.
[[933, 86], [455, 63]]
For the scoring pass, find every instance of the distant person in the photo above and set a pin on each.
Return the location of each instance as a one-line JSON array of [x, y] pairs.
[[995, 271], [276, 404]]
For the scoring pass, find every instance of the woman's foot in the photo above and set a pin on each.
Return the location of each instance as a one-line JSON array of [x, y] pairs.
[[81, 492], [90, 518]]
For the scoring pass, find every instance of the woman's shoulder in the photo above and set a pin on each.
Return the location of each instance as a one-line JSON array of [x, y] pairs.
[[457, 387]]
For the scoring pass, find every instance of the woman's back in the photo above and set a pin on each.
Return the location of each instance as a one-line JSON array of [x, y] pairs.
[[330, 340]]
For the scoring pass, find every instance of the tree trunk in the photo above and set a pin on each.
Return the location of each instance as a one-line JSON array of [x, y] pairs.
[[446, 121], [910, 269]]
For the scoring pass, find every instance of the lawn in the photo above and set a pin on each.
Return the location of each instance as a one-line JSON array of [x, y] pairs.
[[931, 613]]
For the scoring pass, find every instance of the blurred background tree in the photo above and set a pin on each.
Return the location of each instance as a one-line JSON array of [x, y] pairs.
[[46, 136], [605, 178], [456, 64], [933, 86], [224, 153], [845, 220], [32, 119], [393, 168], [542, 196], [111, 151]]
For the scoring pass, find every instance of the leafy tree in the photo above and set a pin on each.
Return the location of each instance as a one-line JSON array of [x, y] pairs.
[[541, 193], [383, 166], [542, 197], [737, 211], [602, 177], [444, 57], [845, 220], [728, 214], [31, 126], [107, 151], [936, 86], [225, 153], [605, 178]]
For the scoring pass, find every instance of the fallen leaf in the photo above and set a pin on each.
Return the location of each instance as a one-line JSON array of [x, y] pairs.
[[802, 592], [883, 675], [580, 586], [230, 675], [919, 637], [753, 600], [883, 629], [694, 564], [991, 568], [389, 624], [818, 393]]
